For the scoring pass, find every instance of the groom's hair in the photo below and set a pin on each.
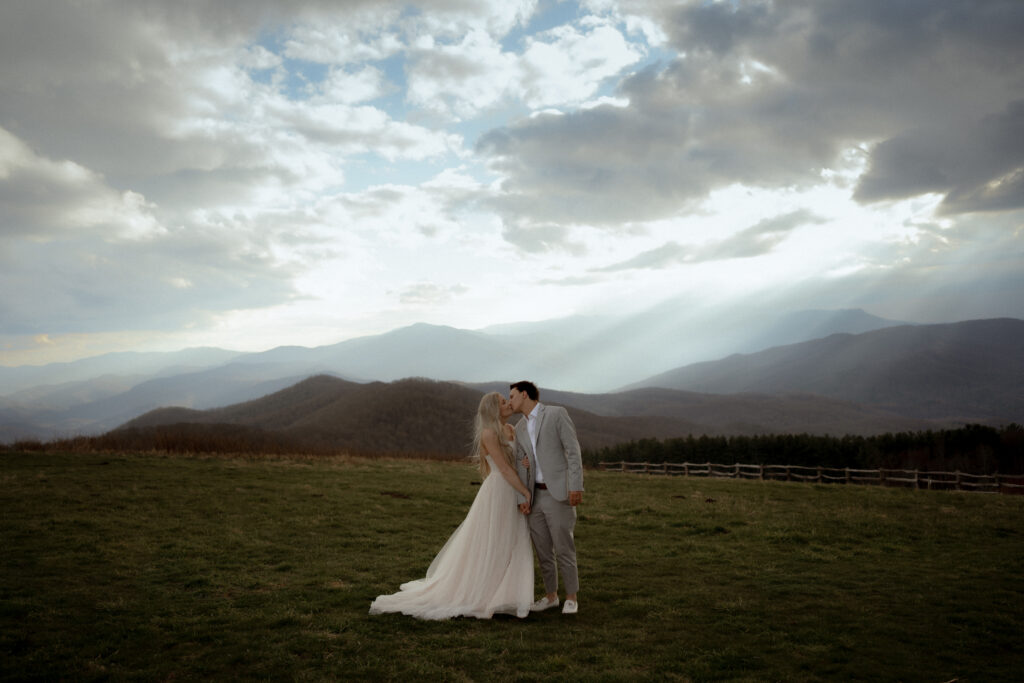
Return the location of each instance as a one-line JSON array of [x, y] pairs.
[[528, 388]]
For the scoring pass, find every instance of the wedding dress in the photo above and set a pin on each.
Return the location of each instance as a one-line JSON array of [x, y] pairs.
[[486, 567]]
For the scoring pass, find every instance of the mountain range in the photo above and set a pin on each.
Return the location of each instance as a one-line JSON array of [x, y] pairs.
[[420, 416], [861, 375], [963, 371]]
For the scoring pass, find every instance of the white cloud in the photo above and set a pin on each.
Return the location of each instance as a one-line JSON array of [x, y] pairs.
[[447, 18], [462, 79], [357, 39], [566, 65], [259, 58], [429, 294], [351, 88]]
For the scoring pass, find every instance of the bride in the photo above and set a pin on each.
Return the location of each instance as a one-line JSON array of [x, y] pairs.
[[486, 567]]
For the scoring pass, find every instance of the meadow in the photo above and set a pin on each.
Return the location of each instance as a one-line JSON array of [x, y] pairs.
[[155, 567]]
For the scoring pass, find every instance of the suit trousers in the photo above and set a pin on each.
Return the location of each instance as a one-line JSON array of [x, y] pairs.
[[551, 524]]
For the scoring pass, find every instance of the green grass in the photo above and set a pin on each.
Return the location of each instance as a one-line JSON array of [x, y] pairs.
[[152, 568]]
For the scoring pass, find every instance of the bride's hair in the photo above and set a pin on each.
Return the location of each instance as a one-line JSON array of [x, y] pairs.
[[488, 415]]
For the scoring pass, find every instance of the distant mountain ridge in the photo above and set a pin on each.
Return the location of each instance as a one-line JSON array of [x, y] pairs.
[[122, 363], [967, 371], [587, 355], [572, 353]]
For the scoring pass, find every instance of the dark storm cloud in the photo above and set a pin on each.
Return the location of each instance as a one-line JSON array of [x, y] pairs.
[[771, 94], [977, 167]]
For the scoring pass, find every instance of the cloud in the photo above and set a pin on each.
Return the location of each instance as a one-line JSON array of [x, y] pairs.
[[665, 256], [161, 179], [978, 166], [345, 87], [362, 36], [168, 165], [773, 95], [435, 212], [430, 294], [539, 239], [564, 66], [45, 199], [568, 64], [757, 240], [90, 286], [458, 80], [572, 280]]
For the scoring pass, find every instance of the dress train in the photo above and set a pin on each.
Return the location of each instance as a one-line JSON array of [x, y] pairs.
[[485, 567]]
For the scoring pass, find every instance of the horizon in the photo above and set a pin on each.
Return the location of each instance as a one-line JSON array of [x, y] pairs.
[[478, 330], [246, 176]]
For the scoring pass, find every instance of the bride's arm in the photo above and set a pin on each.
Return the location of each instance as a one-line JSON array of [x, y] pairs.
[[493, 448]]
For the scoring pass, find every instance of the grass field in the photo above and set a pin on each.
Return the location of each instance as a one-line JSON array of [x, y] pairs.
[[156, 568]]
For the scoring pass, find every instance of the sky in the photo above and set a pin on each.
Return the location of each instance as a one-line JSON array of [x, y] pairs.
[[249, 173]]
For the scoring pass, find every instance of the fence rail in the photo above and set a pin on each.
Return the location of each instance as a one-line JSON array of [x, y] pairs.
[[959, 481]]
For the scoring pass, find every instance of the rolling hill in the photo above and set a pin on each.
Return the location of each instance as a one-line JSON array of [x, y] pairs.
[[430, 417]]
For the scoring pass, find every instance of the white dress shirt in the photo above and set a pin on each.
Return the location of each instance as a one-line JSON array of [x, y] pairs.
[[532, 420]]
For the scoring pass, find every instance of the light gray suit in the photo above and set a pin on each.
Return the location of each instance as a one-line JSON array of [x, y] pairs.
[[551, 518]]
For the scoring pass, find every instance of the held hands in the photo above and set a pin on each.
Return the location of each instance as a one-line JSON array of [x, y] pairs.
[[525, 506]]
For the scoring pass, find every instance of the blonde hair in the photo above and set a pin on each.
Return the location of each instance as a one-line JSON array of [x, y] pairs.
[[488, 416]]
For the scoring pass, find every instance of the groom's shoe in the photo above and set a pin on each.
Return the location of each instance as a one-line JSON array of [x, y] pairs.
[[570, 607], [543, 604]]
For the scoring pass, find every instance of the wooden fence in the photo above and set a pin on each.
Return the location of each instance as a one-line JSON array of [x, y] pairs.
[[959, 481]]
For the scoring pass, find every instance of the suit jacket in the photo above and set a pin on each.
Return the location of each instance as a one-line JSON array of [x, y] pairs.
[[557, 449]]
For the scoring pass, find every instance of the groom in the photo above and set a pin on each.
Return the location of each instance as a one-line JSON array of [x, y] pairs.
[[549, 464]]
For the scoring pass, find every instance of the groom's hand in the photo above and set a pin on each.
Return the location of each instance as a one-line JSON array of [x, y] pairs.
[[524, 508], [575, 498]]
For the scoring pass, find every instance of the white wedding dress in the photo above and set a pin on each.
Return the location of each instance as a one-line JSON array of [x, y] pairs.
[[486, 567]]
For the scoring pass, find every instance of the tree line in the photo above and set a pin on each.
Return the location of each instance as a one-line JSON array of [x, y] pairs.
[[973, 448]]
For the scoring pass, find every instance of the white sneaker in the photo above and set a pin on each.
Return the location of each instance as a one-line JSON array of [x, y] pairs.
[[570, 607], [543, 604]]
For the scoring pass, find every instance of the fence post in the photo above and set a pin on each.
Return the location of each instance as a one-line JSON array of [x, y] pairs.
[[819, 474], [760, 472], [847, 476], [958, 480], [736, 471], [787, 472], [917, 479], [686, 469], [881, 477]]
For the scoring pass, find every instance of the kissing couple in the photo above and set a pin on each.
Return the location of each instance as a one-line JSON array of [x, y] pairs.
[[533, 481]]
